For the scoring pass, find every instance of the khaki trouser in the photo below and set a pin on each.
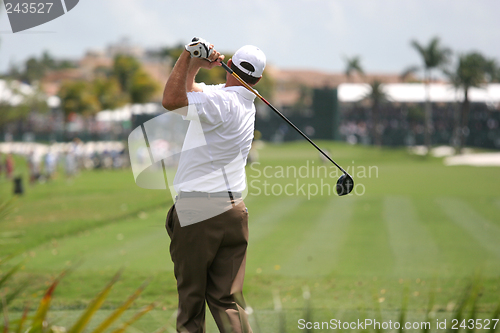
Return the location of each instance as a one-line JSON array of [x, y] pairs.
[[209, 265]]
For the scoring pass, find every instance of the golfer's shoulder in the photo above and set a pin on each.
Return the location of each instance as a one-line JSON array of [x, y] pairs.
[[214, 92], [212, 88], [208, 94], [223, 94]]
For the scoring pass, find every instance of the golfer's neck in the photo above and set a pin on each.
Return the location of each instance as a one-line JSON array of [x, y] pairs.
[[232, 82]]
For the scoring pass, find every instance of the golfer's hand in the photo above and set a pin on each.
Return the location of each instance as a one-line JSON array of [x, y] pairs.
[[213, 60], [199, 48]]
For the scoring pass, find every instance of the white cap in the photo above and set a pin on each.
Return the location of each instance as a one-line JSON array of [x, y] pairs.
[[250, 56]]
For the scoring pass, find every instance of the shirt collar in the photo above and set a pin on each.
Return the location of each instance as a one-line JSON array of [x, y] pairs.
[[242, 91]]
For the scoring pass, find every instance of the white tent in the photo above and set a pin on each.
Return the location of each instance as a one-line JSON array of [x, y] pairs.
[[415, 93], [13, 92], [125, 113]]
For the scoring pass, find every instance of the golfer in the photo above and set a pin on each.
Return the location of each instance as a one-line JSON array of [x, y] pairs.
[[208, 224]]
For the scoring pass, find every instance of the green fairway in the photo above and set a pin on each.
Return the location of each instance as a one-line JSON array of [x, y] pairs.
[[414, 223]]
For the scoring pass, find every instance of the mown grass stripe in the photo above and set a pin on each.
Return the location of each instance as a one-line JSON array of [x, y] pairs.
[[318, 254], [280, 232], [483, 231], [413, 247], [460, 253], [136, 243], [261, 223], [365, 250]]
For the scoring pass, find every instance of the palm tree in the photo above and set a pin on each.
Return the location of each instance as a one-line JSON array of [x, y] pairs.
[[376, 96], [434, 55], [353, 64], [408, 73], [472, 71], [492, 70]]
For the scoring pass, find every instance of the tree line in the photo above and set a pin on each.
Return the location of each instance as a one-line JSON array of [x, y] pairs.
[[125, 82]]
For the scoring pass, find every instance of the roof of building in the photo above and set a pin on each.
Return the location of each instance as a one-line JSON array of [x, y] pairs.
[[319, 79], [290, 81], [416, 93]]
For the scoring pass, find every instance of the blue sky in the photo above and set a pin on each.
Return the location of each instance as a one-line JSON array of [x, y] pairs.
[[312, 34]]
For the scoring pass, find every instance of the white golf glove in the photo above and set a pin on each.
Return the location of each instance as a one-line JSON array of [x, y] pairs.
[[199, 48]]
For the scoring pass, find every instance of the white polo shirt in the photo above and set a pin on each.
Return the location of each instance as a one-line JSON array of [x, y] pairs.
[[218, 140]]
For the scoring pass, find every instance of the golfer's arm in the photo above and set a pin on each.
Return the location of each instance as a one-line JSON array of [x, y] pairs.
[[174, 95], [183, 75], [193, 69]]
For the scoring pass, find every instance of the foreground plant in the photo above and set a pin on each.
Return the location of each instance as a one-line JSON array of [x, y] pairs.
[[39, 322]]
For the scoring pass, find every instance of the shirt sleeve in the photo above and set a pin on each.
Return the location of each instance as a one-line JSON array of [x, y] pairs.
[[206, 106]]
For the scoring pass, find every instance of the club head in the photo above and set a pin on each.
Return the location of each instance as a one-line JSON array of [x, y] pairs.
[[345, 184]]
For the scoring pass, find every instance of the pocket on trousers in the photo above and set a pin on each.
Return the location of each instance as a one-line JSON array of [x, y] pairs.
[[169, 223]]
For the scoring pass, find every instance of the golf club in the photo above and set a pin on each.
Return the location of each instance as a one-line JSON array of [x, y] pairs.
[[345, 183]]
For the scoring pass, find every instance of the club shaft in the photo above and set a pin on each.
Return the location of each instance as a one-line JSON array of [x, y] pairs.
[[230, 71]]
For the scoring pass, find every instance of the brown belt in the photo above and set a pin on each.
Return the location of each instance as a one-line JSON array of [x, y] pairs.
[[232, 195]]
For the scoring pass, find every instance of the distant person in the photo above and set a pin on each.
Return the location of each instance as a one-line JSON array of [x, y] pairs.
[[70, 164], [50, 164], [9, 166], [1, 165], [32, 167], [77, 149]]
